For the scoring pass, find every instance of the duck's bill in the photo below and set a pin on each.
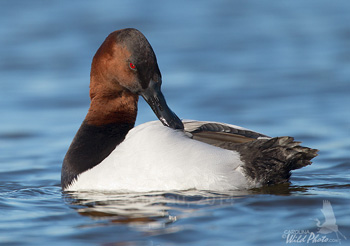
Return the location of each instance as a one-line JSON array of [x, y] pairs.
[[154, 97]]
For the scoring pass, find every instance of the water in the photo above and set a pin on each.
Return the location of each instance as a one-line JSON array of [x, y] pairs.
[[278, 67]]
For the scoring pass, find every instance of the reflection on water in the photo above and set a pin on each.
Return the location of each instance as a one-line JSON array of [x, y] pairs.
[[153, 208], [156, 210], [163, 213]]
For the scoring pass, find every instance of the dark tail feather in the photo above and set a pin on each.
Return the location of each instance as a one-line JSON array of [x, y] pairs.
[[270, 161]]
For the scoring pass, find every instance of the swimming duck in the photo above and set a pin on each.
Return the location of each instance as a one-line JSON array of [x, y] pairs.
[[109, 153]]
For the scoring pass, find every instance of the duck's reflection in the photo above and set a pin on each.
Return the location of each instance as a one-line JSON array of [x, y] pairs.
[[154, 209], [152, 212]]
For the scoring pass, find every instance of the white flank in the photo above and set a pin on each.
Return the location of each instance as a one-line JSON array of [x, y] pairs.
[[153, 157]]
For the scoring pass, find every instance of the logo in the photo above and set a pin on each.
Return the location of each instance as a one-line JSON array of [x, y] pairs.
[[329, 225], [327, 232]]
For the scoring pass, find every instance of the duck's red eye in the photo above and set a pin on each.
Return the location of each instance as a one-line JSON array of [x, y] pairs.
[[132, 66]]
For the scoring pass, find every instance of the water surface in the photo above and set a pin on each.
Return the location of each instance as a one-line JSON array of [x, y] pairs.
[[278, 67]]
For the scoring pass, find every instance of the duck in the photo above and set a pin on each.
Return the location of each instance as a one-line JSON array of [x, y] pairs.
[[108, 153]]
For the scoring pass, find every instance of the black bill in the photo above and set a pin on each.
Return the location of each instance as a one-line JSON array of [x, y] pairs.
[[154, 97]]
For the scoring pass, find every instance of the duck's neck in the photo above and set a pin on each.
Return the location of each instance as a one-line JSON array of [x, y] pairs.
[[110, 117]]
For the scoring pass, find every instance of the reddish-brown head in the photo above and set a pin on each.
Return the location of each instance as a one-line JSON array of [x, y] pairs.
[[124, 67], [124, 59]]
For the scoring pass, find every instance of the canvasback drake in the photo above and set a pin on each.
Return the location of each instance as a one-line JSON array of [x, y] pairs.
[[109, 153]]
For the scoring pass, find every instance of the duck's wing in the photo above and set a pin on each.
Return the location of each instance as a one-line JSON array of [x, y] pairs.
[[266, 160], [220, 134]]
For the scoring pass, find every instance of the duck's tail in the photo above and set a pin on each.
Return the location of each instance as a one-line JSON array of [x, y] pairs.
[[270, 161]]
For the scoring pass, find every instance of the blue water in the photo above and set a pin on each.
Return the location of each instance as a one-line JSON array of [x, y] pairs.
[[277, 67]]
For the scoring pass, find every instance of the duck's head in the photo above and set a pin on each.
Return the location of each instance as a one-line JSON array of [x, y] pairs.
[[126, 64]]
